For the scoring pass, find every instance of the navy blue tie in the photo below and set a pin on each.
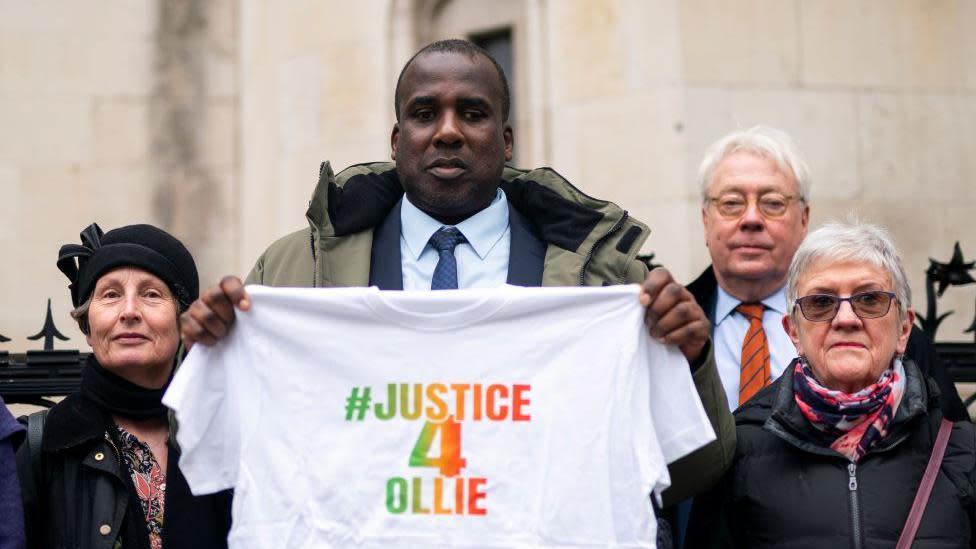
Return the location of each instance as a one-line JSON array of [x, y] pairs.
[[445, 274]]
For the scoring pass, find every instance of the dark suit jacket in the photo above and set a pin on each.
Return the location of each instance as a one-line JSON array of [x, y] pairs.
[[919, 349], [526, 254]]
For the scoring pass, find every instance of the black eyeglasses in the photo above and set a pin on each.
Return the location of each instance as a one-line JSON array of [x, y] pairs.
[[824, 307]]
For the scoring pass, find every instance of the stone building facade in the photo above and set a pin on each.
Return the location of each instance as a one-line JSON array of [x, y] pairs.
[[210, 118]]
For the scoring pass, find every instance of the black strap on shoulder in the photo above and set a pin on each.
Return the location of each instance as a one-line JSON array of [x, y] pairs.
[[35, 433]]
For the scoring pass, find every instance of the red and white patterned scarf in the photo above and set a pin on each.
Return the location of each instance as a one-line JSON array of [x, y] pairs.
[[857, 420]]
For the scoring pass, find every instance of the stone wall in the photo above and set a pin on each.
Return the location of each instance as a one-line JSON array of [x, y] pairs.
[[211, 118], [118, 113], [880, 95], [315, 85]]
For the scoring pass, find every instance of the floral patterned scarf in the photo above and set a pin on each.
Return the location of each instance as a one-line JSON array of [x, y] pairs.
[[149, 481], [856, 421]]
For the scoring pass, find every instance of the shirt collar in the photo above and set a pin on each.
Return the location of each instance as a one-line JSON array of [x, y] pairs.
[[482, 230], [725, 304]]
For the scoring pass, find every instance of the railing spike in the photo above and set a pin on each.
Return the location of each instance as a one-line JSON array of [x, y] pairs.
[[49, 331]]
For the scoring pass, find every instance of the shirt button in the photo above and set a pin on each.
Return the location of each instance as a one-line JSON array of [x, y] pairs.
[[162, 486], [99, 457], [105, 529]]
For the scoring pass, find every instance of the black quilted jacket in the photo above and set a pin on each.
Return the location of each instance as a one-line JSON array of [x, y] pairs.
[[788, 489]]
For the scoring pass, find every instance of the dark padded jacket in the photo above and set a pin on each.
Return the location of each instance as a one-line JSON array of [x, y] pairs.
[[788, 489], [80, 497], [920, 349]]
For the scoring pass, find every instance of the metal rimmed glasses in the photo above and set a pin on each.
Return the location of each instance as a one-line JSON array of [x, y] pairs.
[[771, 204]]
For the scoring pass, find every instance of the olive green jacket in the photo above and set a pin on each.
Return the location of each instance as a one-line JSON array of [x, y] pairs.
[[588, 242]]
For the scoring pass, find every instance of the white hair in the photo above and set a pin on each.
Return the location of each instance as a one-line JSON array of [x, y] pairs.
[[851, 241], [763, 141]]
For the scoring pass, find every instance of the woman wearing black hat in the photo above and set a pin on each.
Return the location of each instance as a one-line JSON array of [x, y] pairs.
[[106, 472]]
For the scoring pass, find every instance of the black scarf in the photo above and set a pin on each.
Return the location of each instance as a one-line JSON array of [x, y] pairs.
[[119, 396]]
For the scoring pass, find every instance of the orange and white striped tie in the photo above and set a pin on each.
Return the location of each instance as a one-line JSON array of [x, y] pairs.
[[754, 374]]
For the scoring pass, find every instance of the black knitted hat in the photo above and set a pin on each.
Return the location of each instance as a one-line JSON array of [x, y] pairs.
[[142, 246]]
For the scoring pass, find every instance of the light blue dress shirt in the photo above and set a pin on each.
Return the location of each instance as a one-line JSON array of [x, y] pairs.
[[730, 329], [482, 260]]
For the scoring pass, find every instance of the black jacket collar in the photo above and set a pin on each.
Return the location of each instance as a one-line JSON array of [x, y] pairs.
[[704, 287], [366, 199], [72, 422]]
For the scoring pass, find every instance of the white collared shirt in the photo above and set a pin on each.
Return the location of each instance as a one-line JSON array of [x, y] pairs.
[[731, 328], [482, 260]]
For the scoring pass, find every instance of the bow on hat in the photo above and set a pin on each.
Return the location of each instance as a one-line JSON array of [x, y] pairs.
[[91, 240]]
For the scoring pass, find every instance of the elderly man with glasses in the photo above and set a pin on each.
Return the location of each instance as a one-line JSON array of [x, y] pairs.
[[755, 209]]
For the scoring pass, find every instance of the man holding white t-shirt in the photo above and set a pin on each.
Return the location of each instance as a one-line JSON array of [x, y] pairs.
[[450, 214], [426, 433]]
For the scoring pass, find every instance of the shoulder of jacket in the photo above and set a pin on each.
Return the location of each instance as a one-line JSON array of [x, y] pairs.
[[296, 240], [289, 253], [959, 461], [750, 422], [542, 191], [963, 438], [364, 168], [758, 409], [556, 182]]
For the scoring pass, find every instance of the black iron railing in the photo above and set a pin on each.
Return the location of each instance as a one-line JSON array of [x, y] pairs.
[[35, 376], [953, 273], [959, 357]]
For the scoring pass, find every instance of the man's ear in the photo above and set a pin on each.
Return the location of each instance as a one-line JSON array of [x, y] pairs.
[[704, 215], [509, 137], [393, 140]]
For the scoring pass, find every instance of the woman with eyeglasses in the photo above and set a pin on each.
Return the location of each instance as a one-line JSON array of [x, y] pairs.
[[833, 453]]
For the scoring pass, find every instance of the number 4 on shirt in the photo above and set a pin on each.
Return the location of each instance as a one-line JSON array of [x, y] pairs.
[[449, 461]]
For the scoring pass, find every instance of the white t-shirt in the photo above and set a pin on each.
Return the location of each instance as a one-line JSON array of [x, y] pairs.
[[546, 417]]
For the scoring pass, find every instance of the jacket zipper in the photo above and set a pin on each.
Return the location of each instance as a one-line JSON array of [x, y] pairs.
[[599, 242], [855, 504], [115, 450]]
